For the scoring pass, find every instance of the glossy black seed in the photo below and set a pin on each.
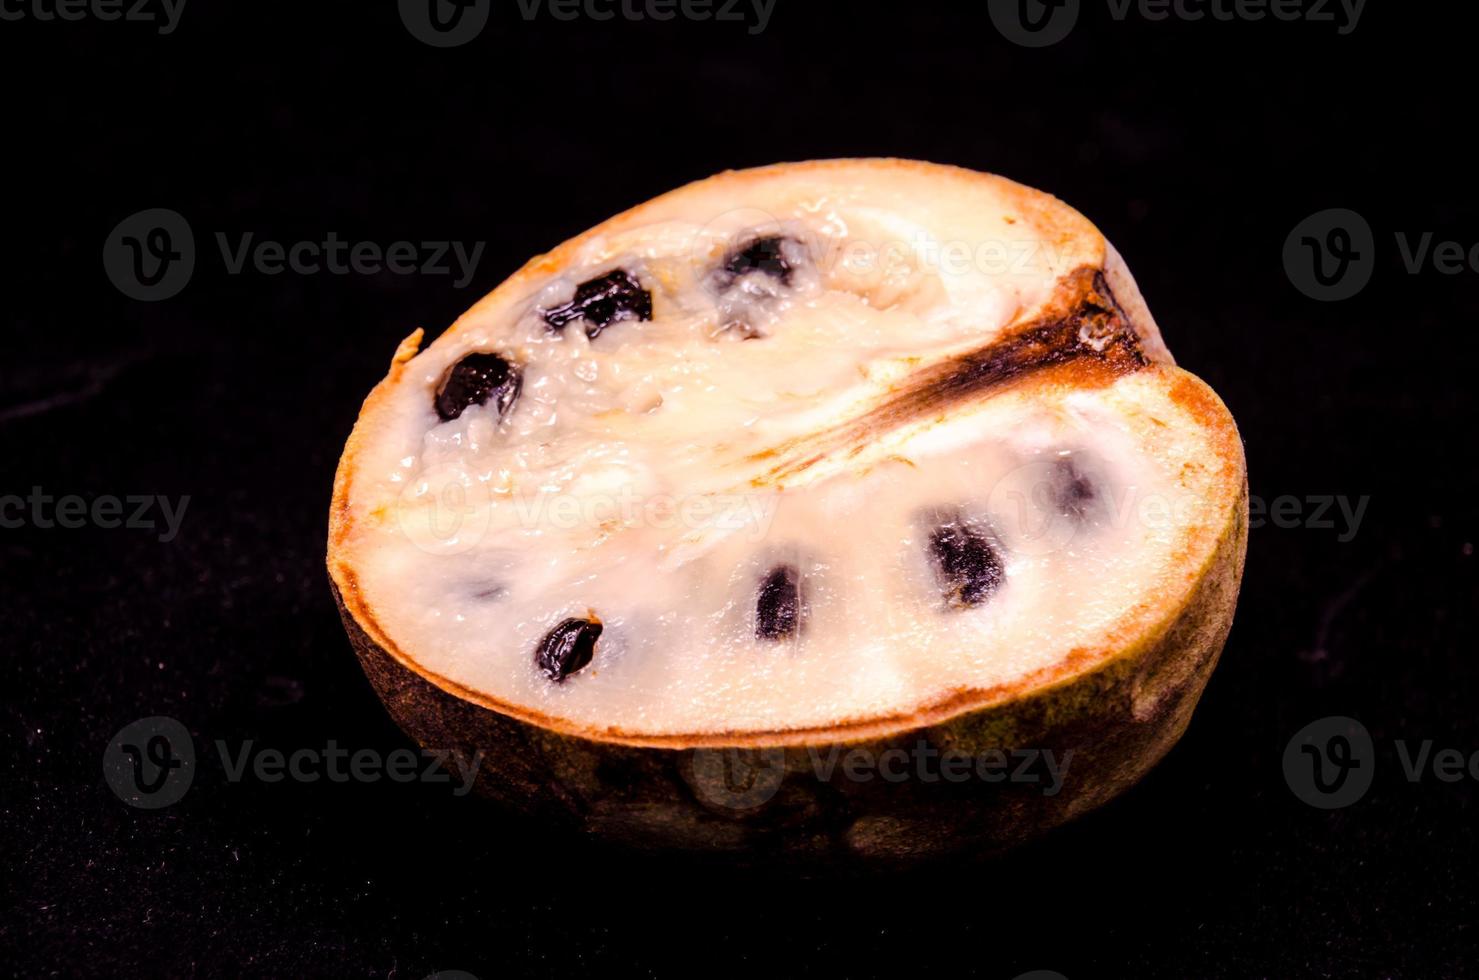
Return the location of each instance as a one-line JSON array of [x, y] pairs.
[[967, 567], [1073, 492], [765, 255], [567, 648], [473, 381], [778, 605], [603, 301]]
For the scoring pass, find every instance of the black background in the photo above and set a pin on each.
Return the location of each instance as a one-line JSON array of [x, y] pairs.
[[1196, 147]]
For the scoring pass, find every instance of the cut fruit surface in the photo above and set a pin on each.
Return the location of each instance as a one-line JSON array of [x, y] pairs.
[[847, 453], [931, 399]]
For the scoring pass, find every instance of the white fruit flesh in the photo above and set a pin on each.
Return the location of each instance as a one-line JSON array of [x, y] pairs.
[[635, 480]]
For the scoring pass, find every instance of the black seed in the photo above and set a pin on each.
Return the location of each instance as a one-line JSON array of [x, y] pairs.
[[475, 379], [765, 255], [603, 301], [567, 648], [967, 567], [1073, 492], [778, 605]]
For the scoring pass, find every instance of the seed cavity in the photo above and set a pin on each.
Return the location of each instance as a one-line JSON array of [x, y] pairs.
[[1073, 492], [602, 301], [567, 648], [967, 567], [475, 380], [750, 280], [766, 255], [779, 604]]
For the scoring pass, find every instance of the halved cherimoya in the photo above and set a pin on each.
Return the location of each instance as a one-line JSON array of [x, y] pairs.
[[838, 509]]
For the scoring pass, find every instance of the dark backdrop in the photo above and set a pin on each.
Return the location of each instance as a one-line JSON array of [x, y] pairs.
[[1196, 145]]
